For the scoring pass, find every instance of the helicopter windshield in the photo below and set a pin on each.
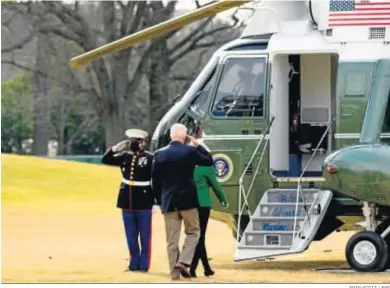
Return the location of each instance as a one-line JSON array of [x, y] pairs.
[[241, 88], [202, 99]]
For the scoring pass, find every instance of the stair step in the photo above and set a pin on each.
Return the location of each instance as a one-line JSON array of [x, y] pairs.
[[276, 224], [285, 210], [308, 204], [269, 239], [271, 228], [265, 247], [290, 195], [270, 232], [277, 218]]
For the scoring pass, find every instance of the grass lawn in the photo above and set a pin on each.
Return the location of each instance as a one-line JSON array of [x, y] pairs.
[[60, 224]]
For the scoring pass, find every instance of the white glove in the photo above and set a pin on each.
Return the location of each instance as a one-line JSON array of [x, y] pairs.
[[120, 146], [155, 208]]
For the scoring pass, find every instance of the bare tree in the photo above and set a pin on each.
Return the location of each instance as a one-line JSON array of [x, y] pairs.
[[69, 100], [113, 82], [41, 99]]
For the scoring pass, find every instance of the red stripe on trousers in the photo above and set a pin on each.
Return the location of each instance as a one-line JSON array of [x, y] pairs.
[[150, 241]]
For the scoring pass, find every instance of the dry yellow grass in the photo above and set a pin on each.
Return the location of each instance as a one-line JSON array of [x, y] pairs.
[[60, 224]]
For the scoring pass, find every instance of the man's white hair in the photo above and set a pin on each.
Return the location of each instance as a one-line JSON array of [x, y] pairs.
[[178, 131]]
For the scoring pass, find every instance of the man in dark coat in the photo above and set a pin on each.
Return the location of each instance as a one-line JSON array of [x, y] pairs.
[[173, 179], [136, 198]]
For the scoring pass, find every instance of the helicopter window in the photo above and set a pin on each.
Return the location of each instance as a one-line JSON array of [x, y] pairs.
[[202, 99], [355, 84], [190, 123], [241, 88], [256, 46]]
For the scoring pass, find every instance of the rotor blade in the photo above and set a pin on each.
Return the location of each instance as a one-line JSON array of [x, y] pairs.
[[155, 31]]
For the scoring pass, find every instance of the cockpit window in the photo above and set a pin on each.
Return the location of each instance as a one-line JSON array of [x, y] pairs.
[[201, 102], [241, 88]]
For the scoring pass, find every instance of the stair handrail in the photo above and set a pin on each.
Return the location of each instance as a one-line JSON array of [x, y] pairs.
[[299, 185], [262, 136], [241, 180], [304, 220]]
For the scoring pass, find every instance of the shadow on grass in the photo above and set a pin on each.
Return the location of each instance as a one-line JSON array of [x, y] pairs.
[[283, 265]]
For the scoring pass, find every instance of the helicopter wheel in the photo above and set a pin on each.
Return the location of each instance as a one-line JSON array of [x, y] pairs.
[[380, 229], [367, 251]]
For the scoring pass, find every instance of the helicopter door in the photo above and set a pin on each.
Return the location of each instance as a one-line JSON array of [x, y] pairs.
[[301, 100], [237, 118]]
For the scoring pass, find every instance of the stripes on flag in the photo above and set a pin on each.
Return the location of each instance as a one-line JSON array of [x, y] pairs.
[[359, 13]]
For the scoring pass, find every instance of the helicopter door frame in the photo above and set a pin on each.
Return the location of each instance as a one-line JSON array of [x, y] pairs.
[[223, 57]]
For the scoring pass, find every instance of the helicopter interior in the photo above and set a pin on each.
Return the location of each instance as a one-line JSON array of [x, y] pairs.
[[301, 101]]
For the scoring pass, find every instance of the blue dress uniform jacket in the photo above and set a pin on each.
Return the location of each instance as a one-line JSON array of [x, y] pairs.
[[136, 200], [173, 175], [137, 168]]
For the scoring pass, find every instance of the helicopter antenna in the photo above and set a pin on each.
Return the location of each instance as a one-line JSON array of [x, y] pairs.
[[250, 7]]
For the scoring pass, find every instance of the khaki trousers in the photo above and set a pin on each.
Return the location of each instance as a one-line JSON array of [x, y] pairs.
[[172, 228]]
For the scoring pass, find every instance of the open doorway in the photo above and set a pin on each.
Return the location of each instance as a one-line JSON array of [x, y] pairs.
[[301, 101]]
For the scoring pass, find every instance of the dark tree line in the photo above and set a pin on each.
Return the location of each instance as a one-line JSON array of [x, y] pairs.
[[126, 89]]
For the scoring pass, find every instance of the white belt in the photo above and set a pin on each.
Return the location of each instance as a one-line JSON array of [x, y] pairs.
[[136, 183]]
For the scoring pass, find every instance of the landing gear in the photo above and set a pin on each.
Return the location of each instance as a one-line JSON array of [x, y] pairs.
[[368, 251]]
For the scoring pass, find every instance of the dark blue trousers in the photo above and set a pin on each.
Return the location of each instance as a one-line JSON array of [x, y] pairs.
[[138, 224]]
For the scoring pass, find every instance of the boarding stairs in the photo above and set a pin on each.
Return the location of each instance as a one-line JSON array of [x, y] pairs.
[[286, 220]]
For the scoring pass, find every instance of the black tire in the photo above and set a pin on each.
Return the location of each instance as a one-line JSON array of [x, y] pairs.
[[387, 240], [382, 227], [380, 260]]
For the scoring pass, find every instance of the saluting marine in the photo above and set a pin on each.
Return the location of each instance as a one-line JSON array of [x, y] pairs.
[[136, 198]]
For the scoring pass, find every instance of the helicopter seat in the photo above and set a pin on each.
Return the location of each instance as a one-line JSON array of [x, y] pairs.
[[219, 112]]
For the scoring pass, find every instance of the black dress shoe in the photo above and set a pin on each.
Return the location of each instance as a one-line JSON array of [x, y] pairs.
[[144, 270], [183, 270], [193, 274], [208, 273]]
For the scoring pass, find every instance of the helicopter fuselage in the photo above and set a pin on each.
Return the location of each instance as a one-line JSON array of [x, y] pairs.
[[344, 82]]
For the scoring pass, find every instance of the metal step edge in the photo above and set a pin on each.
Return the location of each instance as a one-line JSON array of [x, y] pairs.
[[309, 190], [265, 247], [302, 180], [279, 253], [286, 204], [277, 218]]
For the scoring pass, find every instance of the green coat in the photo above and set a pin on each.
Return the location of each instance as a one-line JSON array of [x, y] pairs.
[[205, 177]]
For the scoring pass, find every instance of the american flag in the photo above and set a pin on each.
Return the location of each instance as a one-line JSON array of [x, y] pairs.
[[359, 13]]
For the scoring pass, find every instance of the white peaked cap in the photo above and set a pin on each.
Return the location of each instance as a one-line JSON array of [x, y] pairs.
[[136, 133]]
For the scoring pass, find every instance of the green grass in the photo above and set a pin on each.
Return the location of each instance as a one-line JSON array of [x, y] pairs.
[[60, 224]]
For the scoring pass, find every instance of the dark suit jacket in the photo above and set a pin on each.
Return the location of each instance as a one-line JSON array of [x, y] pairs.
[[173, 175]]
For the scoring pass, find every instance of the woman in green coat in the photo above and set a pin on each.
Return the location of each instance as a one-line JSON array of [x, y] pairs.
[[205, 177]]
